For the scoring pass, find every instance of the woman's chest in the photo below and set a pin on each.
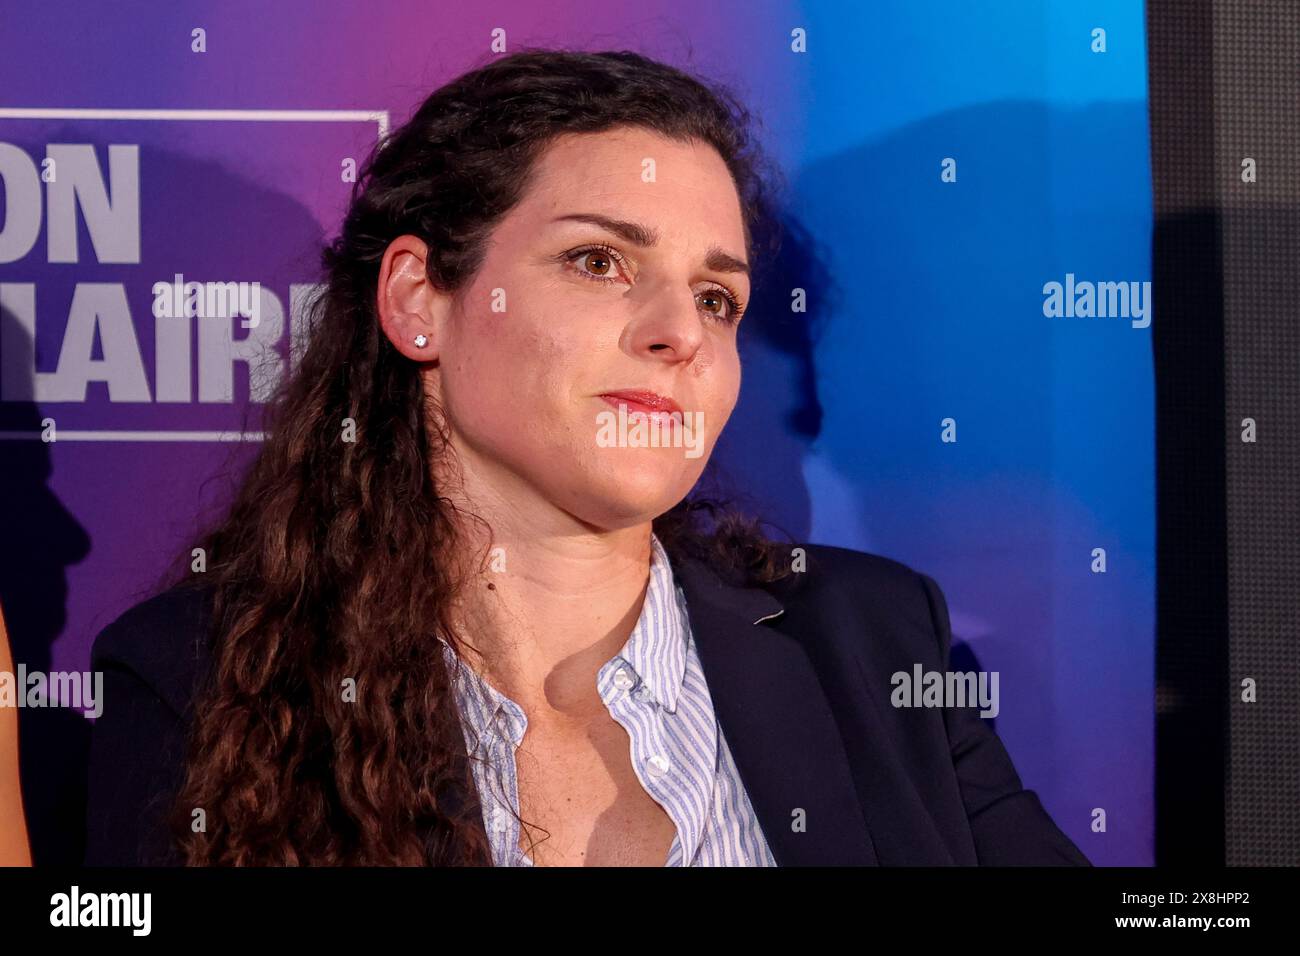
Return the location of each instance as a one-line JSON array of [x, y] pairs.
[[584, 801]]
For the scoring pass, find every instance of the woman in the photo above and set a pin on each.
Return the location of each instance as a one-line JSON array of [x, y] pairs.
[[14, 850], [458, 615]]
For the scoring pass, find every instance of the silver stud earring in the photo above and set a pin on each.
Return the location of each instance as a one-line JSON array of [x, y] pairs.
[[421, 340]]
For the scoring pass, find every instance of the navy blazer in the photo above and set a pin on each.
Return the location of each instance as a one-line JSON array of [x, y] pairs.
[[800, 676]]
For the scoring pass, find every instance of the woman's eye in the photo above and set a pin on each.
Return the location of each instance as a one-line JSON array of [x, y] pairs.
[[596, 263], [600, 264], [727, 306]]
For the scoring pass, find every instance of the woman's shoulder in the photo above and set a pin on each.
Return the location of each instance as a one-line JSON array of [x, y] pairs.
[[150, 657], [817, 571], [162, 640], [854, 593]]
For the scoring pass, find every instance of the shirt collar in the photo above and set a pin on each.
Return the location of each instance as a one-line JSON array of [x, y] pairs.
[[476, 699], [656, 649]]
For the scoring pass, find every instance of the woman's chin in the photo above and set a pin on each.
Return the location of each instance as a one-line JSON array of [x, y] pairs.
[[634, 491]]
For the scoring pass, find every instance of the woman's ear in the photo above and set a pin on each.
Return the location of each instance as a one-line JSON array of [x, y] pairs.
[[406, 300]]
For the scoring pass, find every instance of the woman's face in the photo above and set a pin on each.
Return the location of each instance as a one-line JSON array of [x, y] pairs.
[[567, 309]]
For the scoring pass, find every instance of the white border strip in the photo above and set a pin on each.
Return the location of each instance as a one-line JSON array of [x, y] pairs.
[[265, 116], [145, 436]]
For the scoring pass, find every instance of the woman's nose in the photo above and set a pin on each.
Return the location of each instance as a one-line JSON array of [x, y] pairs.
[[670, 328]]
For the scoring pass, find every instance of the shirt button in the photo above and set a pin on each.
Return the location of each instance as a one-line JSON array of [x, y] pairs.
[[499, 820], [623, 679], [658, 765]]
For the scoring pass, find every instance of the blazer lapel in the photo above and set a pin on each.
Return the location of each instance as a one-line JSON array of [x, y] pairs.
[[777, 722]]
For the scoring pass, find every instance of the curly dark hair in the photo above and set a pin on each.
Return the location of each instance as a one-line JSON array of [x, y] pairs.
[[325, 565]]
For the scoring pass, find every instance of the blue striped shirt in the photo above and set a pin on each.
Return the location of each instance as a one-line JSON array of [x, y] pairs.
[[654, 687]]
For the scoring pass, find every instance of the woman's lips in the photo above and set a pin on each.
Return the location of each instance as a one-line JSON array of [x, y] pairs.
[[665, 410], [639, 401]]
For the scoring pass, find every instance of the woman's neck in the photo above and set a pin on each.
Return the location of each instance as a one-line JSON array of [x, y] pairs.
[[545, 600]]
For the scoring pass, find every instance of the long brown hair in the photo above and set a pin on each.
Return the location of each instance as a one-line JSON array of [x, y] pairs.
[[326, 565]]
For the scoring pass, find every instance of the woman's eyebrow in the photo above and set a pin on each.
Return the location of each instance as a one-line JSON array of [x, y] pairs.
[[639, 235]]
